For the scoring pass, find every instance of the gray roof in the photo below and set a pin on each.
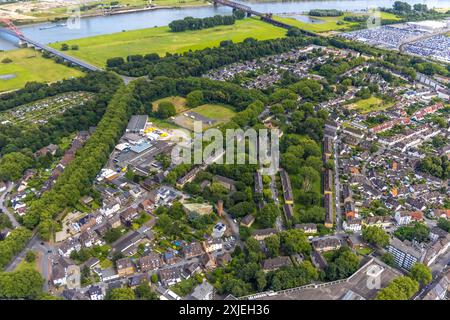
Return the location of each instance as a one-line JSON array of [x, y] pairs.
[[137, 123], [202, 290]]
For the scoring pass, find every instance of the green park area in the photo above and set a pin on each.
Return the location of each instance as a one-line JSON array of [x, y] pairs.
[[369, 105], [98, 49], [217, 112], [28, 65], [327, 24]]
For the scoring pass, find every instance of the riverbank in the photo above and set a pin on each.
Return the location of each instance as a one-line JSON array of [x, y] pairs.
[[96, 50], [58, 16], [28, 65]]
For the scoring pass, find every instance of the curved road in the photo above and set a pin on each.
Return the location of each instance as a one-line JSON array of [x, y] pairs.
[[9, 187]]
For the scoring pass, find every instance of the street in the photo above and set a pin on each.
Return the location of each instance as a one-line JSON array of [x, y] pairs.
[[9, 187]]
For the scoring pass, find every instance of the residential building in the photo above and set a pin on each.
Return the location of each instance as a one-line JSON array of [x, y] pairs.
[[95, 293], [287, 189], [402, 218], [247, 221], [261, 234], [353, 225], [150, 262], [326, 244], [212, 244], [124, 267], [191, 250], [203, 291], [308, 228], [405, 254], [170, 276], [275, 263]]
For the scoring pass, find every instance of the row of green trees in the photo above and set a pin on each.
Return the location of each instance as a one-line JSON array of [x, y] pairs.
[[13, 244], [77, 178], [190, 23], [198, 62]]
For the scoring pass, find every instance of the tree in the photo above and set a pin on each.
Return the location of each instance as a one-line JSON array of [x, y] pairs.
[[194, 99], [295, 241], [401, 288], [444, 224], [13, 165], [421, 273], [24, 284], [165, 110], [30, 256], [418, 232], [273, 245], [375, 236], [112, 235], [144, 292], [74, 47], [268, 215], [343, 264], [388, 259], [13, 244], [64, 47], [154, 278], [239, 14], [7, 60], [120, 294]]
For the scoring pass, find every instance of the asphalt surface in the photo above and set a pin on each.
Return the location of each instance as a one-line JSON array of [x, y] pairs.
[[9, 187]]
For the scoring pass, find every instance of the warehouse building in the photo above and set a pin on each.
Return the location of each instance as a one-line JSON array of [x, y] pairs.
[[137, 124]]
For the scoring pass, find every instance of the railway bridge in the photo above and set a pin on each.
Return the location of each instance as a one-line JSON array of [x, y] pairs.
[[266, 17]]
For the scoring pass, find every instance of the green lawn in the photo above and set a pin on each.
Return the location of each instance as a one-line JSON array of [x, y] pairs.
[[330, 23], [369, 105], [364, 251], [216, 112], [28, 65], [98, 49]]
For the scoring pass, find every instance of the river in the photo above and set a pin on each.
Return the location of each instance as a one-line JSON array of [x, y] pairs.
[[92, 26]]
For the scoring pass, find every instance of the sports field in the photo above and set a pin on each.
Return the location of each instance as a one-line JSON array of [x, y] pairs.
[[216, 112], [98, 49], [28, 65], [211, 115]]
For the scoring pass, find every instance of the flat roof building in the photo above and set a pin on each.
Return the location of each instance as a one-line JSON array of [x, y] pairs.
[[287, 189], [137, 124]]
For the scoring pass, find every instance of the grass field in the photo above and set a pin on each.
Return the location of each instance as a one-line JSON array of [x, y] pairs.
[[28, 65], [219, 114], [98, 49], [369, 105], [178, 102], [216, 112], [330, 23]]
